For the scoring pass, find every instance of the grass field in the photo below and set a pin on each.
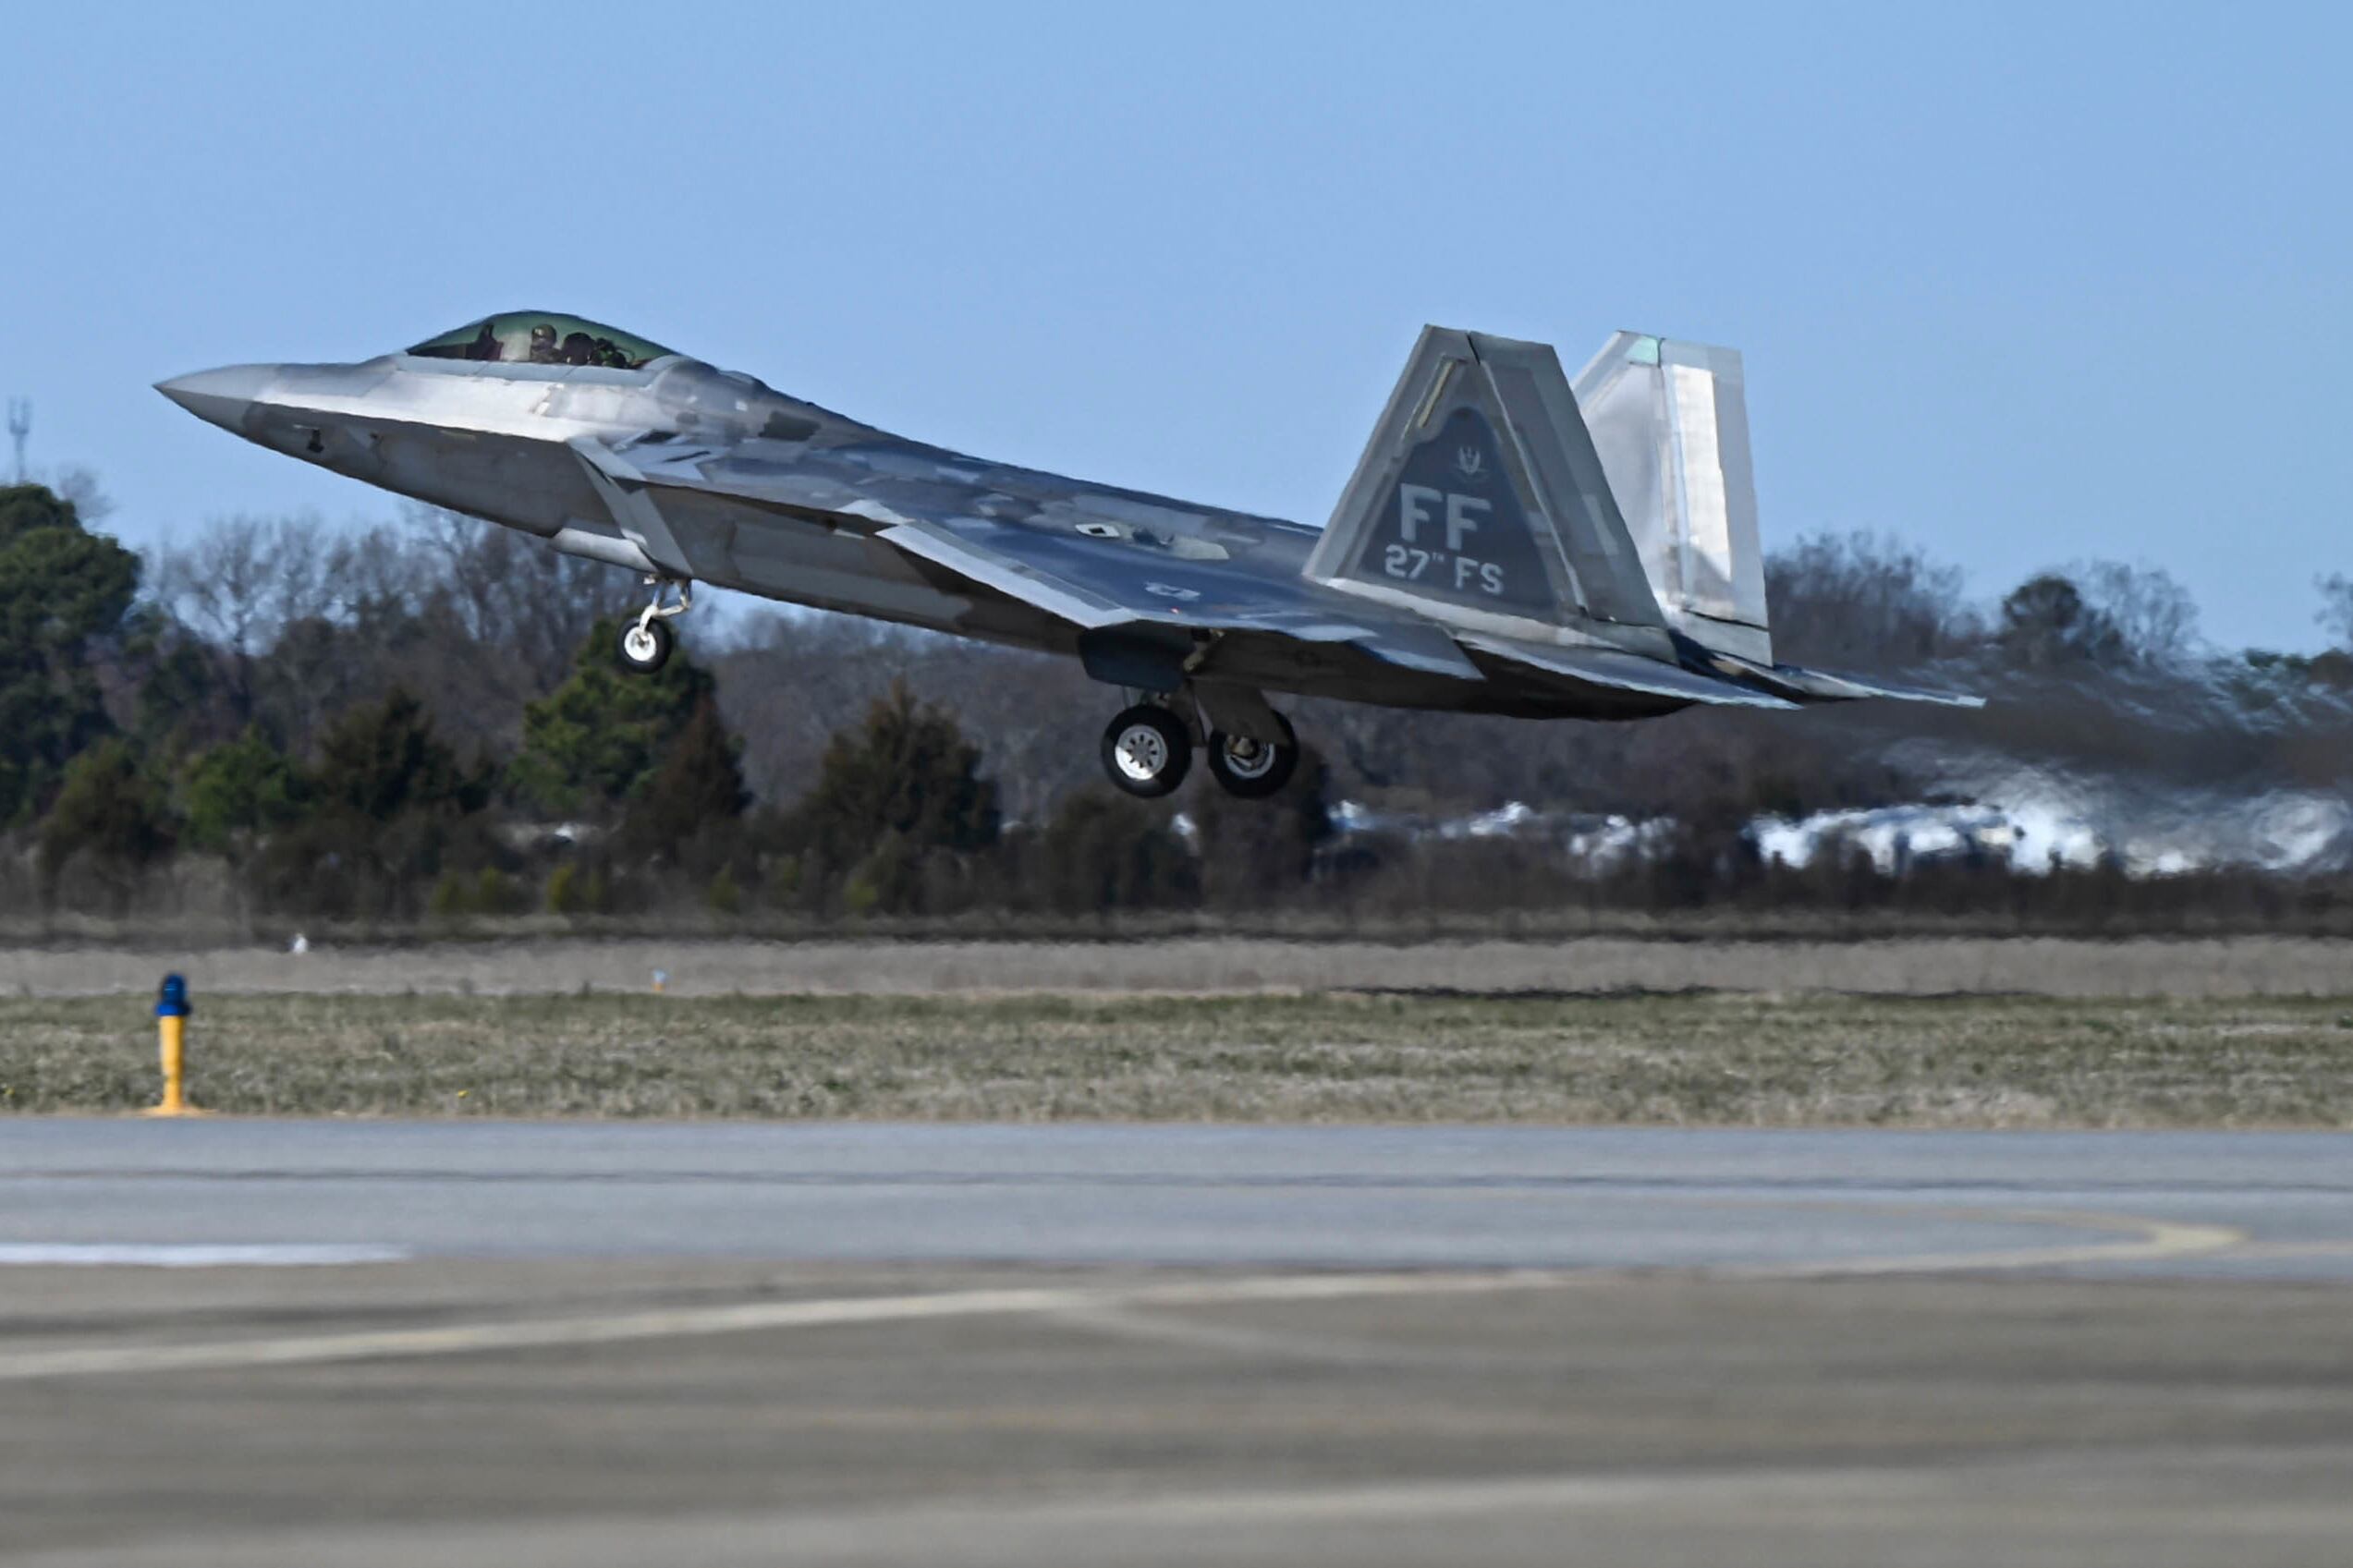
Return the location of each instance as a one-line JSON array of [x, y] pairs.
[[1700, 1058]]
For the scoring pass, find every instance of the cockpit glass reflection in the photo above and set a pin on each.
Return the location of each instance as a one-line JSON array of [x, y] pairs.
[[531, 337]]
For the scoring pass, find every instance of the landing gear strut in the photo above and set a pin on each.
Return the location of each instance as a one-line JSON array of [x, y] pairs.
[[646, 642]]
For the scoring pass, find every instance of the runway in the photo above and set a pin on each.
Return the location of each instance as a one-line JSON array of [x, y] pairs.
[[2277, 1204], [264, 1341]]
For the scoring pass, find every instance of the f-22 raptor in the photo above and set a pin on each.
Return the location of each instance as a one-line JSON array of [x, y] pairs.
[[1511, 541]]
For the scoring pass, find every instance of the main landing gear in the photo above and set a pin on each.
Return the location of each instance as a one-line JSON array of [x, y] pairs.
[[646, 642], [1148, 750], [1254, 769]]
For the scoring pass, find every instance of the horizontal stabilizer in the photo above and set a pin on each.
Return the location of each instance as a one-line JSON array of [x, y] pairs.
[[1804, 685], [1820, 685], [1616, 671]]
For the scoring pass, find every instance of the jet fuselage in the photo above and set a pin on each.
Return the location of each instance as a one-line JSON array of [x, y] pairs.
[[507, 442]]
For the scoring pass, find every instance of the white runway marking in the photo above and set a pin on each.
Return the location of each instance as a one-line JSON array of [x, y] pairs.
[[133, 1254], [686, 1322], [2143, 1239]]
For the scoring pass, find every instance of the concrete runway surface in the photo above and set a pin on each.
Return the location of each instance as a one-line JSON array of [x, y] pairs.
[[264, 1343]]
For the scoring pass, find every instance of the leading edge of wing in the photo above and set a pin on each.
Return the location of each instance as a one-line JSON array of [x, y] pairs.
[[1617, 670]]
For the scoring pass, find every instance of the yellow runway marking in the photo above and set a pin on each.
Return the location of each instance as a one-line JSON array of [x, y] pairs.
[[2141, 1240], [2148, 1241], [2293, 1249]]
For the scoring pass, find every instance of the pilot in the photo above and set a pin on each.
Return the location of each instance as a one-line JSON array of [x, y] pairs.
[[543, 350]]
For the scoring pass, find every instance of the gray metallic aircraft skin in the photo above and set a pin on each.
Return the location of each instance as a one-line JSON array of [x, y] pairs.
[[1477, 562]]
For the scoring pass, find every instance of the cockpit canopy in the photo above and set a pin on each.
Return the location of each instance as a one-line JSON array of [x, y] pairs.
[[536, 337]]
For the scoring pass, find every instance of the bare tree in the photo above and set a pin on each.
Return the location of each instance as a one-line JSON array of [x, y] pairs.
[[245, 577], [308, 619], [241, 583], [2152, 613], [1865, 599], [531, 603], [2336, 607], [79, 485]]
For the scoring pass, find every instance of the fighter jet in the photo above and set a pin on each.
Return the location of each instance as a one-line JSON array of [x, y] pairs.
[[1511, 541]]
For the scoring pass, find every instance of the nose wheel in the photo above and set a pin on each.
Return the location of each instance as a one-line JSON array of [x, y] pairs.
[[648, 641], [646, 645]]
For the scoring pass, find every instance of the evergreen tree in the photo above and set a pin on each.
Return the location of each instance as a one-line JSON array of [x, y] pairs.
[[181, 705], [1104, 850], [111, 816], [907, 772], [687, 811], [381, 759], [898, 806], [1254, 851], [391, 809], [239, 791], [592, 742], [62, 590]]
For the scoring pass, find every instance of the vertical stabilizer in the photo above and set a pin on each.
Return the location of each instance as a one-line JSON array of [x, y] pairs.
[[1670, 423], [1480, 502]]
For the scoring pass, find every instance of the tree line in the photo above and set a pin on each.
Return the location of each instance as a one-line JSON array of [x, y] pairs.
[[424, 718]]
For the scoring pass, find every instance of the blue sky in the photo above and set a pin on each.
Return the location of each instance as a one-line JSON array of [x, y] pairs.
[[2020, 285]]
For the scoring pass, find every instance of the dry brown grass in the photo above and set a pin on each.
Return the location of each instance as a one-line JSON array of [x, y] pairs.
[[2228, 966], [1718, 1059]]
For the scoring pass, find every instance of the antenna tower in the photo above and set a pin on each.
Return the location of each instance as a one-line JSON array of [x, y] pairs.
[[19, 427]]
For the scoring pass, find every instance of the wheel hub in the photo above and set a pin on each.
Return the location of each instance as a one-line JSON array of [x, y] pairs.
[[1142, 753], [1248, 759]]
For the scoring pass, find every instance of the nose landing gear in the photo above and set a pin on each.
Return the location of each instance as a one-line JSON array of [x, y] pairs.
[[646, 642]]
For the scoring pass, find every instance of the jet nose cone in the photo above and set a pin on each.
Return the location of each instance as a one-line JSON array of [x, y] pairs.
[[221, 397]]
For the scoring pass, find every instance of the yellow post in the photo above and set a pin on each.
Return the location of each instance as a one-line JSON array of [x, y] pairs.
[[174, 1033], [172, 1009]]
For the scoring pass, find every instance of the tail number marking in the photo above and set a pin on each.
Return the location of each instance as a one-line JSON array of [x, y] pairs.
[[1418, 506]]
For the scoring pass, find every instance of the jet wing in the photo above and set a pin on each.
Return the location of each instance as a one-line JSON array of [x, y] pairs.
[[1095, 586], [1132, 574]]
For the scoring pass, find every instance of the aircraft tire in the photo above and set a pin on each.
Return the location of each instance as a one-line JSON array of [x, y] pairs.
[[1146, 752], [1253, 770], [645, 649]]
